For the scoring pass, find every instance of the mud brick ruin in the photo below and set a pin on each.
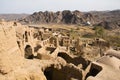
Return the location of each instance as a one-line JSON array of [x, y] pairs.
[[40, 53]]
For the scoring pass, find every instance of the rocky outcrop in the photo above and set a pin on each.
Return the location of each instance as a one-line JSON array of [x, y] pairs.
[[66, 17]]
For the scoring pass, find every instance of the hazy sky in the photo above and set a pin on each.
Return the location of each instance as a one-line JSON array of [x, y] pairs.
[[30, 6]]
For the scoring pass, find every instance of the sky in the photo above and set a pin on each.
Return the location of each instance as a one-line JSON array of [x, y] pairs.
[[31, 6]]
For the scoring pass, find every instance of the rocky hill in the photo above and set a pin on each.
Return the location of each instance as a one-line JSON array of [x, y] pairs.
[[107, 19], [66, 16], [110, 16], [10, 17]]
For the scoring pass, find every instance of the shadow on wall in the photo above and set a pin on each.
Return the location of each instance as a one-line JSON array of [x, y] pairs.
[[37, 48], [76, 61], [50, 49], [94, 70]]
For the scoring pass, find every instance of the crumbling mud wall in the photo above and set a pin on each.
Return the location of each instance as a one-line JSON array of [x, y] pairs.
[[76, 60], [9, 50], [25, 41], [7, 38], [13, 66]]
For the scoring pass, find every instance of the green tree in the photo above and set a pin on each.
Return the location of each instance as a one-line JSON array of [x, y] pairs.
[[99, 31]]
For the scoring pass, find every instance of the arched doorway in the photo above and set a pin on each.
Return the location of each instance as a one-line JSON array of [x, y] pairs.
[[28, 52], [65, 56]]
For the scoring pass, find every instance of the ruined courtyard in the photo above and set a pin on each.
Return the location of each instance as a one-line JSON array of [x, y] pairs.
[[29, 52]]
